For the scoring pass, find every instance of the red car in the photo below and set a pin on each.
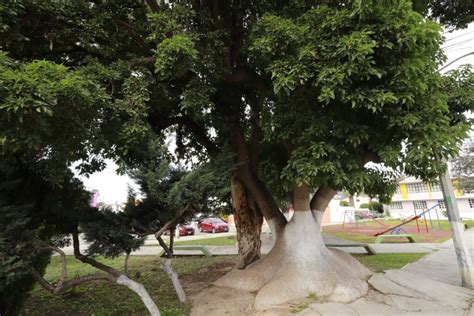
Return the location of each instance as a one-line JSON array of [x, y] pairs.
[[214, 225], [184, 230]]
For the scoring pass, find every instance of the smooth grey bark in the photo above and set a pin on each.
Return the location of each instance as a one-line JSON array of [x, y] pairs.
[[300, 264], [175, 280], [140, 290]]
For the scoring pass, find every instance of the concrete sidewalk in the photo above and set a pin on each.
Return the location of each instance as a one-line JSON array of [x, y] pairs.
[[442, 265], [430, 286], [152, 248], [267, 246]]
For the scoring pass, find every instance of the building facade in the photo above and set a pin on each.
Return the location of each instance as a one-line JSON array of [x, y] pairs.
[[413, 196]]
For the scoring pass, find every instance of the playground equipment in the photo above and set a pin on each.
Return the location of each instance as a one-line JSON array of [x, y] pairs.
[[397, 229], [378, 222], [351, 218]]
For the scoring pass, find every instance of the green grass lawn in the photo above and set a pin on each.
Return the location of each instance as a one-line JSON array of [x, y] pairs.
[[217, 241], [104, 298], [385, 261]]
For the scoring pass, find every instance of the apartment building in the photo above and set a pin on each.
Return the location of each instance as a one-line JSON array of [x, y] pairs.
[[414, 195]]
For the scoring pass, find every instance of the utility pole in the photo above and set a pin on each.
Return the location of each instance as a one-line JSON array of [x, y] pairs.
[[461, 248]]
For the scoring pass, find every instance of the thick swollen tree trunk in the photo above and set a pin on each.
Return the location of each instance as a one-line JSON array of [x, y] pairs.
[[248, 221], [300, 264]]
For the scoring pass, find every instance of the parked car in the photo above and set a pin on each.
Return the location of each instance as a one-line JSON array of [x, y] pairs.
[[201, 218], [213, 225], [184, 229]]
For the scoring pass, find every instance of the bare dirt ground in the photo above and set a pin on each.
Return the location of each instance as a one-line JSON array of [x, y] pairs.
[[208, 299]]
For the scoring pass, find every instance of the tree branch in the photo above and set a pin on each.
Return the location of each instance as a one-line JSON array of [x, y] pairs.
[[125, 264], [159, 124], [62, 255], [256, 187], [153, 5], [370, 155], [136, 34], [163, 245], [174, 278], [321, 198], [144, 60], [66, 285], [247, 75], [89, 260]]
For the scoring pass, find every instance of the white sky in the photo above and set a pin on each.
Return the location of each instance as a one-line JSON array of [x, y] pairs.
[[113, 188]]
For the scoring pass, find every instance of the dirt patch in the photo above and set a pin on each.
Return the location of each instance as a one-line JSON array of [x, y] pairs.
[[231, 302], [207, 299], [203, 278]]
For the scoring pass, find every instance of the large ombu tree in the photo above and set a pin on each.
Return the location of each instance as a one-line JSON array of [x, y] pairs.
[[304, 94], [370, 94]]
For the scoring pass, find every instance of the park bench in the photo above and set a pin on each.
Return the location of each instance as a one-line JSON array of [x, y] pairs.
[[200, 248], [367, 248], [380, 238]]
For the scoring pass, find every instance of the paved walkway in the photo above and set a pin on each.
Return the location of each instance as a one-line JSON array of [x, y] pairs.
[[152, 248], [442, 265], [267, 246]]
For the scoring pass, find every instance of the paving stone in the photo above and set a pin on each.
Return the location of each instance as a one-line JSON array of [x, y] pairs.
[[383, 284], [446, 294], [411, 304], [364, 306], [329, 309]]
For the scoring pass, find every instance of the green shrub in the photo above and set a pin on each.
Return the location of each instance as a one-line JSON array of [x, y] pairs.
[[364, 205], [343, 203], [373, 206]]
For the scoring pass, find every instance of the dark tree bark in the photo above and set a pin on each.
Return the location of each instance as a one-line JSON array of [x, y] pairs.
[[248, 221], [254, 186]]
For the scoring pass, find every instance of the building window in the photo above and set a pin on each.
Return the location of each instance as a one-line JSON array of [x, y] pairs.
[[396, 206], [416, 187], [471, 203], [435, 187], [441, 204], [420, 205]]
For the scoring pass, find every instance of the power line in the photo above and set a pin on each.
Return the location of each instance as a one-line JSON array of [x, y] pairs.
[[459, 43], [461, 57], [459, 36], [458, 49]]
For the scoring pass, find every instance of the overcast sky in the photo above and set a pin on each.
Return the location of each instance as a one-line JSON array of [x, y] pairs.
[[113, 188]]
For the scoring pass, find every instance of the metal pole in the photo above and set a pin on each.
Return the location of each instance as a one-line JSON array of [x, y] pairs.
[[460, 244], [417, 226], [437, 217], [431, 221]]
